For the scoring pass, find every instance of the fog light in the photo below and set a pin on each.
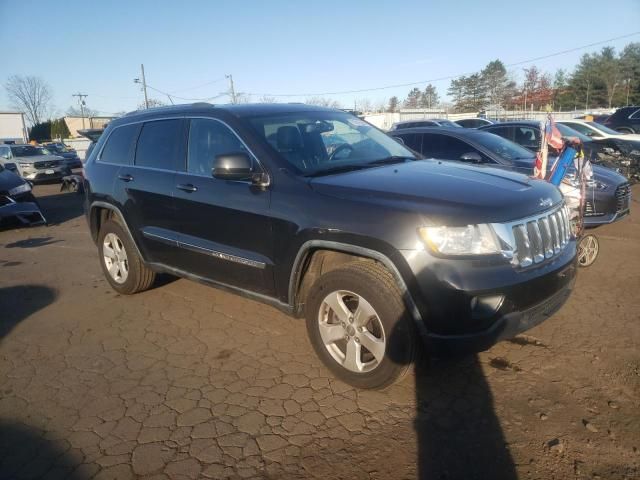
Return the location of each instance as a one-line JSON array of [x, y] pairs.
[[484, 307]]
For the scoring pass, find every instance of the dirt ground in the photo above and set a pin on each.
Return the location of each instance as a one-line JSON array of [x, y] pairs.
[[185, 381]]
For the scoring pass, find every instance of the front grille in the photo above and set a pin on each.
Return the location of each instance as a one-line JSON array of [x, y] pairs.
[[47, 164], [623, 198], [542, 237]]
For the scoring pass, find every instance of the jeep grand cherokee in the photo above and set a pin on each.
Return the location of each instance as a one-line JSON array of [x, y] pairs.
[[320, 214]]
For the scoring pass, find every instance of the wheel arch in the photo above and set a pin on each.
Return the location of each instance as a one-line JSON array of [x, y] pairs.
[[304, 271], [100, 212]]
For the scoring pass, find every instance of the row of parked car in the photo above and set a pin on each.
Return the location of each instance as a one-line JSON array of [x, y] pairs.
[[21, 166], [513, 145]]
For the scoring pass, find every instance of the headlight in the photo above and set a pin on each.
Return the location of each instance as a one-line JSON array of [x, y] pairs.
[[25, 187], [23, 164], [469, 240], [597, 185]]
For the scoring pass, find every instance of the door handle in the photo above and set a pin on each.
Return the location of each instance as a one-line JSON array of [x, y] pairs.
[[187, 187], [125, 178]]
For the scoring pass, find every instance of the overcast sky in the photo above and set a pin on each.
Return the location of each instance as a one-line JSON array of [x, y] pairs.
[[288, 47]]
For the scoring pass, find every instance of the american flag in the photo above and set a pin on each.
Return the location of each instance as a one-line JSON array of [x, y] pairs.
[[553, 135]]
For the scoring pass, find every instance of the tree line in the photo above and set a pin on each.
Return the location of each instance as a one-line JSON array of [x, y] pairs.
[[604, 79]]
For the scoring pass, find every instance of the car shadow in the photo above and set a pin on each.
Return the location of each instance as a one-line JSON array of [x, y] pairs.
[[32, 242], [24, 453], [19, 302], [457, 430]]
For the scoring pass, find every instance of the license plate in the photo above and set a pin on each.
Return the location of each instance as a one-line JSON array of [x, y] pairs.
[[49, 172]]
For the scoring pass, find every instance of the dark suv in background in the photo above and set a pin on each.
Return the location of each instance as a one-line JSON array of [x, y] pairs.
[[320, 214], [625, 120]]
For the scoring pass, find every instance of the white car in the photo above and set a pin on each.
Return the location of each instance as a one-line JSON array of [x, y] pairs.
[[598, 131]]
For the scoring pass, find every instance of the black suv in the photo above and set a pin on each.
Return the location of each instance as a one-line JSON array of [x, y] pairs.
[[320, 214], [625, 120]]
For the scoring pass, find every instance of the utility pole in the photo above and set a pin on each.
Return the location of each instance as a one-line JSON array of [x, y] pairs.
[[586, 103], [628, 85], [81, 97], [232, 91], [144, 85]]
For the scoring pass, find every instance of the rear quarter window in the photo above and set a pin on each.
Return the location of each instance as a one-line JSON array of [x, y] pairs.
[[120, 145]]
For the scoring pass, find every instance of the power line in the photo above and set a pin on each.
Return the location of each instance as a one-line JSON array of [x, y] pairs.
[[448, 77], [199, 86]]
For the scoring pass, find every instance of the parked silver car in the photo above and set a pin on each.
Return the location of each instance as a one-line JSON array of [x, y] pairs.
[[32, 163]]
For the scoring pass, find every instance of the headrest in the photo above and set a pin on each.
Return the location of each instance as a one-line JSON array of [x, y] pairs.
[[289, 139]]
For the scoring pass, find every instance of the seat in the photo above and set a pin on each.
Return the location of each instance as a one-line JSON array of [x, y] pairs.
[[289, 144]]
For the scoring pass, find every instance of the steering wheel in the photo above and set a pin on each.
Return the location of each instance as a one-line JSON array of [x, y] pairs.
[[344, 146]]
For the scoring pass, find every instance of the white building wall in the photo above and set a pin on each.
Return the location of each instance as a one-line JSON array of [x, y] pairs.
[[13, 127]]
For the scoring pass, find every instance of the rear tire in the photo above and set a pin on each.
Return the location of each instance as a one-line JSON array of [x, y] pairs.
[[122, 266], [359, 327]]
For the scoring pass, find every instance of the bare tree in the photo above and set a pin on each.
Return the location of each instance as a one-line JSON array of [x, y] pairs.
[[76, 112], [153, 102], [267, 99], [364, 104], [322, 102], [29, 94]]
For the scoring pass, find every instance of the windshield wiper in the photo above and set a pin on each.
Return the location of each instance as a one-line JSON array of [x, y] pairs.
[[390, 160], [340, 169]]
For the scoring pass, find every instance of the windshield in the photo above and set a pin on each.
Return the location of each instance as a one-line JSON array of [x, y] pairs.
[[502, 147], [448, 123], [603, 128], [570, 132], [317, 142], [26, 151]]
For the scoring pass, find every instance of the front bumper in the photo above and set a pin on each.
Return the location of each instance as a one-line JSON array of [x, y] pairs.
[[41, 175], [608, 206], [447, 290]]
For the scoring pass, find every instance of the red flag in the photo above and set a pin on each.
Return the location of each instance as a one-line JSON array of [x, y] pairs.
[[537, 168]]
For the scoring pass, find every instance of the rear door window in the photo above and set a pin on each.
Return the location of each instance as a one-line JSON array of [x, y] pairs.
[[412, 140], [161, 145], [120, 145], [504, 132], [528, 137]]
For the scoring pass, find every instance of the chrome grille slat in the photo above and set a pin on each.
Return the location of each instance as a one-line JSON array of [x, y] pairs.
[[546, 237], [533, 230], [541, 237]]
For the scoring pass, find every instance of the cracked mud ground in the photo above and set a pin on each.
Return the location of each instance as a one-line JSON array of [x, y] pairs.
[[185, 381]]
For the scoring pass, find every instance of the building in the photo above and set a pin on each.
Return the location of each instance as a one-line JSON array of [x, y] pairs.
[[13, 128], [79, 123]]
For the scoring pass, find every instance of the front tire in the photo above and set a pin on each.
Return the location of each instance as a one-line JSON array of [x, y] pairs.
[[122, 266], [359, 327]]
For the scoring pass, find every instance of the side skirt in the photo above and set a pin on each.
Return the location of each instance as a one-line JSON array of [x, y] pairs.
[[273, 302]]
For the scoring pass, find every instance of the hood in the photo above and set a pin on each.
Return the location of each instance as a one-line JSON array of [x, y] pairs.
[[456, 194], [633, 137], [38, 158], [9, 180], [607, 176]]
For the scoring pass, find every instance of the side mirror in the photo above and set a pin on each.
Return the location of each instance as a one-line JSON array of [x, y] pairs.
[[232, 166], [472, 157], [10, 166]]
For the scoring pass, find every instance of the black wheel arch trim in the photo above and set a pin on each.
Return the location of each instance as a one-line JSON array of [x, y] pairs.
[[123, 222], [311, 245]]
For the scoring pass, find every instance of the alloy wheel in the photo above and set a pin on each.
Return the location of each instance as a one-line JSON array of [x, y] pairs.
[[351, 331], [587, 250], [115, 258]]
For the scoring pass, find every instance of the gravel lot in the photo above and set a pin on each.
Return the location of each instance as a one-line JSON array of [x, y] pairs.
[[185, 381]]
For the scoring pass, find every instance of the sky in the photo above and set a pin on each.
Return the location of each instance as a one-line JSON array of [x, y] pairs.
[[282, 47]]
